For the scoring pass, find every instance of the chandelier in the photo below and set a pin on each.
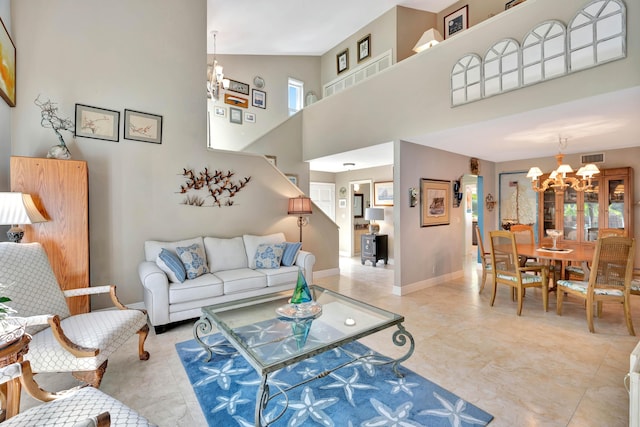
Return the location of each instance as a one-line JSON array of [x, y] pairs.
[[558, 179], [215, 76]]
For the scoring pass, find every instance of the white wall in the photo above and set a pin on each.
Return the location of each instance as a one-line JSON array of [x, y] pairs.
[[147, 55], [5, 120]]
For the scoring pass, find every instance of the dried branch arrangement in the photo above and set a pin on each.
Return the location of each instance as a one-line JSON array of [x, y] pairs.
[[217, 185]]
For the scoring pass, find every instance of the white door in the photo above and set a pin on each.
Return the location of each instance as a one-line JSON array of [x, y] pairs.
[[323, 195]]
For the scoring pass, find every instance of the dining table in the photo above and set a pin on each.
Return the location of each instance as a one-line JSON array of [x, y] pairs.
[[559, 256]]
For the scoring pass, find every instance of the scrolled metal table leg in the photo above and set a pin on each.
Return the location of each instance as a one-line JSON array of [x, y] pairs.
[[400, 338], [262, 398], [203, 326]]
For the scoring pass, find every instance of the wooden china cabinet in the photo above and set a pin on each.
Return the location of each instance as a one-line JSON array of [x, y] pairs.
[[579, 214]]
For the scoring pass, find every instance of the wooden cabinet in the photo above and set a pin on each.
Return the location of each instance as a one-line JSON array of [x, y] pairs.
[[60, 189], [580, 215], [374, 248]]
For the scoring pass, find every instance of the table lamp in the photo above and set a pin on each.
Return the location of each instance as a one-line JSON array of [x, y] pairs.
[[16, 209], [373, 214], [300, 206]]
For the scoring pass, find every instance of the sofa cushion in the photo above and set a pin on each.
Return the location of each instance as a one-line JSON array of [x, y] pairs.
[[193, 259], [242, 279], [171, 264], [252, 242], [225, 254], [202, 287], [291, 253], [152, 248], [269, 255], [281, 276]]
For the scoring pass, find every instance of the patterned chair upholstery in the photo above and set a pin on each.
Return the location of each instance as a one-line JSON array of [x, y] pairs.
[[62, 342], [609, 280], [79, 407], [509, 271]]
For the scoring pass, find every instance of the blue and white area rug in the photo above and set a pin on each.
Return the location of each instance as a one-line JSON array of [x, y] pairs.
[[359, 394]]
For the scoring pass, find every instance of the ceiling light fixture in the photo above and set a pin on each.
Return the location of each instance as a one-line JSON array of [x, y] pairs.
[[215, 76], [558, 179], [429, 38]]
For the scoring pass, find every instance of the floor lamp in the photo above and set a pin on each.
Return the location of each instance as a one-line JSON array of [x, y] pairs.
[[300, 206], [16, 209]]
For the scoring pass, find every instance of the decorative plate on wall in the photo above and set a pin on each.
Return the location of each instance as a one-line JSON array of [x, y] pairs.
[[258, 82]]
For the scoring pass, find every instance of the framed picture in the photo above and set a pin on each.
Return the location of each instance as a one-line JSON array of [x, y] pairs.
[[435, 202], [456, 21], [258, 98], [97, 123], [8, 74], [235, 115], [358, 211], [220, 111], [342, 60], [518, 202], [249, 117], [238, 101], [364, 47], [272, 159], [145, 127], [239, 87], [512, 3], [293, 178], [342, 203], [383, 193]]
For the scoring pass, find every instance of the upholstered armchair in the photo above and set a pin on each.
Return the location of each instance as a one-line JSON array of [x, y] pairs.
[[61, 342], [79, 407]]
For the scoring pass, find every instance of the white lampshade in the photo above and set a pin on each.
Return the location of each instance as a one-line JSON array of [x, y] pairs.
[[429, 38], [374, 214], [534, 173], [18, 208], [564, 170], [588, 170]]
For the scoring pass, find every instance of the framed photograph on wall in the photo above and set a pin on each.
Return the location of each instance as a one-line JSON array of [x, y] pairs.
[[293, 178], [364, 47], [143, 127], [512, 3], [97, 123], [456, 21], [249, 117], [239, 87], [435, 202], [220, 111], [258, 98], [383, 193], [342, 61], [8, 74], [235, 115]]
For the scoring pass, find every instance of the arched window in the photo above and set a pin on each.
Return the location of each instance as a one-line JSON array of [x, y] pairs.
[[597, 34], [501, 67], [465, 80], [543, 53]]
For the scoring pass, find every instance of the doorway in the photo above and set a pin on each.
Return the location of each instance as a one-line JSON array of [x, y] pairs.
[[360, 194]]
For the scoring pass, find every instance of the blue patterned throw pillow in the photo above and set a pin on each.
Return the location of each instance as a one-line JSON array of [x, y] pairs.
[[171, 264], [269, 255], [194, 260], [290, 253]]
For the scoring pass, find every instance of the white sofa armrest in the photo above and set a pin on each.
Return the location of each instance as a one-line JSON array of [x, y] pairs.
[[306, 260], [155, 286]]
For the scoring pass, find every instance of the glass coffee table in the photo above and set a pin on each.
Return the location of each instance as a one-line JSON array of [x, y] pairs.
[[270, 341]]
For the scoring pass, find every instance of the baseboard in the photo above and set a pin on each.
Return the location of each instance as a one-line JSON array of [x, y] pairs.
[[136, 305], [326, 273], [423, 284]]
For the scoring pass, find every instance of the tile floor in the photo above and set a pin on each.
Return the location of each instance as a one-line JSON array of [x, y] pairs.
[[539, 369]]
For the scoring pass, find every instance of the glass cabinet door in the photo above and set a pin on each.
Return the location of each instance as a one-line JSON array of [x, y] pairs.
[[615, 204], [548, 211], [591, 212], [570, 226]]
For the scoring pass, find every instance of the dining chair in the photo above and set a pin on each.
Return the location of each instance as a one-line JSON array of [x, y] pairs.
[[609, 280], [485, 259], [575, 272], [524, 235], [508, 271]]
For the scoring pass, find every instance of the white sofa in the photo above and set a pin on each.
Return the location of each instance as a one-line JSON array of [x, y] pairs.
[[232, 275]]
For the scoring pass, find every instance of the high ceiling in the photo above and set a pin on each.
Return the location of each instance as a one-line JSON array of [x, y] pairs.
[[300, 27]]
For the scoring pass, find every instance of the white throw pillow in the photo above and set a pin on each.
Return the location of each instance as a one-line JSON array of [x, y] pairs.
[[252, 242], [225, 254]]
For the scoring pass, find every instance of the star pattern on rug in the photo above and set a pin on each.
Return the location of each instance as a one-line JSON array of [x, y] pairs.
[[349, 385], [222, 376], [308, 406], [401, 385], [390, 417], [453, 411], [230, 403]]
